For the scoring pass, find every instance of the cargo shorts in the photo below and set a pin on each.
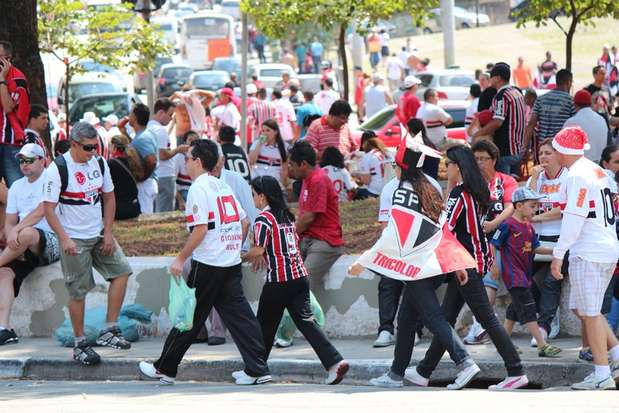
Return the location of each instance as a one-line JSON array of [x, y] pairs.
[[77, 269]]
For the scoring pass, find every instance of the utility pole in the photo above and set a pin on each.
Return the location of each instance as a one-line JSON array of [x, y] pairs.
[[358, 48], [449, 28], [144, 8], [244, 52]]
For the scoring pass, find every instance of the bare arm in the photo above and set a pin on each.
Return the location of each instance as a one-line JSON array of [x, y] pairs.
[[388, 98], [8, 104], [10, 222], [167, 154], [489, 129], [109, 211], [150, 163], [543, 250], [245, 228], [254, 153], [305, 221], [554, 213], [54, 222], [31, 219], [507, 212], [528, 132]]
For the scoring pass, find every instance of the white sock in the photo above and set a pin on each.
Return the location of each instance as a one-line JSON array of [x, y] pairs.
[[601, 372], [614, 353]]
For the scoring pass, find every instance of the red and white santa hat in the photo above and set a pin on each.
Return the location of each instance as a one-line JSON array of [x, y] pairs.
[[571, 141]]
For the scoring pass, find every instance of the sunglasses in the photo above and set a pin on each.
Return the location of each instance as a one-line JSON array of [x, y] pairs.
[[28, 161], [89, 147]]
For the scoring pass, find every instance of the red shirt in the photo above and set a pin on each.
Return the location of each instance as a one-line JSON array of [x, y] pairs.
[[359, 90], [409, 104], [319, 196], [12, 124], [321, 136]]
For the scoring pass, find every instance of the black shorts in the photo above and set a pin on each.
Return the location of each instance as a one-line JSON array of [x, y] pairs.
[[522, 307], [50, 252]]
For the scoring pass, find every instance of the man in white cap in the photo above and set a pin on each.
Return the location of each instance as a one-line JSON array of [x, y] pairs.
[[588, 232], [409, 102], [28, 233], [110, 123], [61, 134], [376, 96], [92, 119]]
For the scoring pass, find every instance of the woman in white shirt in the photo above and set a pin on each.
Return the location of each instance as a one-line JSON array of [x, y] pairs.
[[267, 155], [332, 161], [371, 168]]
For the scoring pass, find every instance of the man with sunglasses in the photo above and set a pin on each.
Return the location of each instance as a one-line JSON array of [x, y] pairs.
[[84, 228], [14, 111], [28, 234]]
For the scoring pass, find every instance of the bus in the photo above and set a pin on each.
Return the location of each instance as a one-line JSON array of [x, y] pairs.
[[206, 36]]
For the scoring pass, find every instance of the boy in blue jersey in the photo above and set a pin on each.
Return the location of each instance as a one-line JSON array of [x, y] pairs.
[[516, 241]]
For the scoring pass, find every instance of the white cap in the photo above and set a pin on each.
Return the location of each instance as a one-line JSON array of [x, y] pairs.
[[31, 150], [112, 119], [251, 89], [91, 118], [410, 81], [377, 77]]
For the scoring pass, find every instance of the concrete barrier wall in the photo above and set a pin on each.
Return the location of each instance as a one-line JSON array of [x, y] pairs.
[[350, 304]]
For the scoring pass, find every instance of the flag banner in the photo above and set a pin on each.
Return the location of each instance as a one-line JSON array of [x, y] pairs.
[[413, 246]]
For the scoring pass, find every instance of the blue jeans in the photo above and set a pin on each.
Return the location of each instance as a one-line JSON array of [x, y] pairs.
[[613, 316], [509, 164], [9, 167]]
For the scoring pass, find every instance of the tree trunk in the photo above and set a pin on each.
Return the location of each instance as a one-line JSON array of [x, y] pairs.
[[342, 50], [18, 25], [569, 38]]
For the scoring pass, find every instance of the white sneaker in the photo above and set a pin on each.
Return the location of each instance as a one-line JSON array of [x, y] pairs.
[[476, 335], [385, 339], [593, 383], [464, 377], [555, 326], [386, 381], [510, 383], [243, 379], [417, 379], [281, 343], [148, 370], [337, 372], [237, 374], [544, 335]]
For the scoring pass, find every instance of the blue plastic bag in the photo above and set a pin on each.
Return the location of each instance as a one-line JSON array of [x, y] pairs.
[[182, 304]]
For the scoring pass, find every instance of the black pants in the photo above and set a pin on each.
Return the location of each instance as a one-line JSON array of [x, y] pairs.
[[389, 292], [420, 300], [474, 294], [294, 296], [220, 288], [547, 295]]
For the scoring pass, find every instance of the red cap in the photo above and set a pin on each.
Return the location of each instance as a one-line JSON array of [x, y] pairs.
[[582, 98], [227, 91]]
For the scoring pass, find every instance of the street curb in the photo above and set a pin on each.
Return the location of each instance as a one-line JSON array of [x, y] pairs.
[[541, 374]]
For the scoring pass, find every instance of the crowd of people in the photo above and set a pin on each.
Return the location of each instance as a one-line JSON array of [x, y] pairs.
[[185, 154]]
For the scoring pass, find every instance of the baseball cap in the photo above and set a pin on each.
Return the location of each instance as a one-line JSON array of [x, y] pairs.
[[226, 91], [502, 70], [376, 77], [524, 193], [112, 119], [582, 98], [91, 118], [410, 81], [251, 89], [31, 150]]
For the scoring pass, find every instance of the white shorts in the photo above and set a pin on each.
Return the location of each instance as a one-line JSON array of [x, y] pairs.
[[147, 193], [588, 283]]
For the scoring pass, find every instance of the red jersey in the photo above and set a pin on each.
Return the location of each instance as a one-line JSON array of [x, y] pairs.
[[408, 106], [12, 124], [318, 196]]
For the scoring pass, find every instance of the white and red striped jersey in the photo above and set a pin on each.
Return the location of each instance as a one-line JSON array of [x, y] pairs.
[[281, 248], [342, 181], [372, 164], [258, 112], [183, 180]]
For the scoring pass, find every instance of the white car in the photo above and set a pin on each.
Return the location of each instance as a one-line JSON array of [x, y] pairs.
[[90, 83], [451, 84], [271, 73]]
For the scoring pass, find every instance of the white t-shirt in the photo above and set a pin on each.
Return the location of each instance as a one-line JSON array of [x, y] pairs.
[[164, 168], [374, 99], [550, 187], [434, 117], [394, 68], [325, 98], [372, 164], [269, 161], [183, 180], [229, 115], [24, 197], [210, 202], [285, 115], [471, 110], [588, 193], [596, 129], [386, 196], [79, 210], [342, 181]]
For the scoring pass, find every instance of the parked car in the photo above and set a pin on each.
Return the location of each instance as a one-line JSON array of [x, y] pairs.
[[102, 105], [91, 83], [139, 78], [172, 77], [271, 73], [464, 19], [451, 84], [209, 79], [386, 124]]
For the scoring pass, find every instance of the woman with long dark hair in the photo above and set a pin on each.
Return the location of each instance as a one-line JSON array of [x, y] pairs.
[[371, 167], [332, 162], [268, 154], [415, 192], [469, 199], [430, 165], [287, 286]]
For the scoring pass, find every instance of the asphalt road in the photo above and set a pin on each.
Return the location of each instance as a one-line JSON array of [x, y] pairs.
[[73, 397]]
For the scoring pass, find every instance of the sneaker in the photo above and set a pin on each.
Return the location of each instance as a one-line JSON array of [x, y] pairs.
[[555, 326], [464, 377], [386, 381], [281, 343], [112, 337], [411, 375], [473, 331], [8, 337], [511, 383], [243, 379], [84, 353], [549, 351], [585, 354], [480, 338], [337, 372], [148, 370], [237, 374], [593, 383], [216, 341], [385, 339], [544, 335]]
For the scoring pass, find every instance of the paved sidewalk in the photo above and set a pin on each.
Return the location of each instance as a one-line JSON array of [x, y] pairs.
[[43, 358]]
